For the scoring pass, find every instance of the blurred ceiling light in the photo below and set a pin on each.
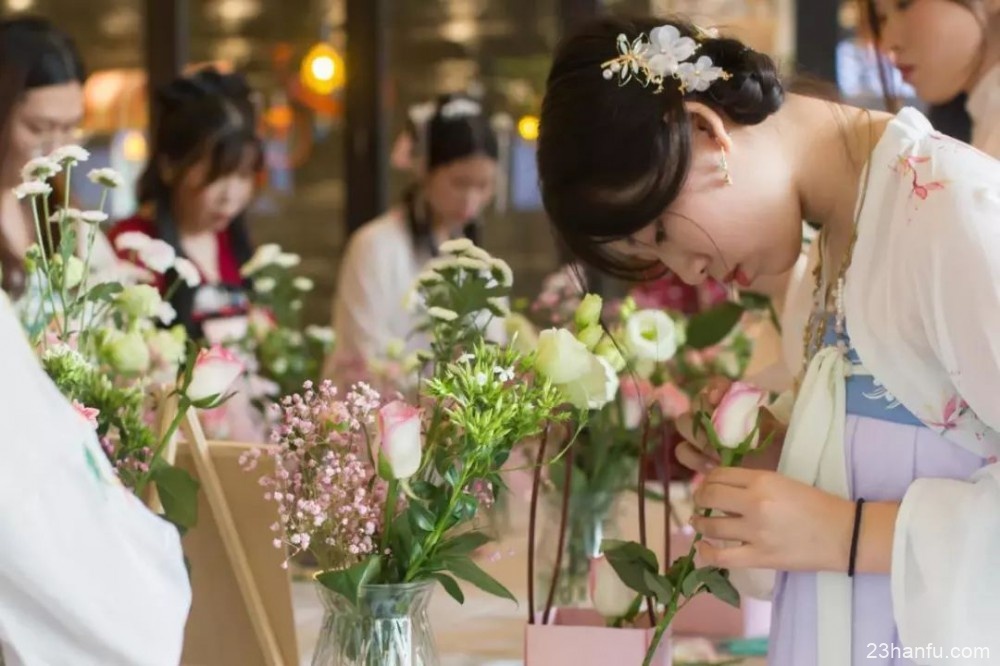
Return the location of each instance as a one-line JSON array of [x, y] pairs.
[[460, 30], [134, 147], [527, 127], [322, 69], [232, 49], [121, 22], [234, 13], [20, 5]]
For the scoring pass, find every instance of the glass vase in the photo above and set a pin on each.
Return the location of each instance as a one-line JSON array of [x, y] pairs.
[[389, 626], [591, 518]]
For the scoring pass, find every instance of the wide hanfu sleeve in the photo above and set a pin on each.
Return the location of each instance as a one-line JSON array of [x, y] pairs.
[[946, 555]]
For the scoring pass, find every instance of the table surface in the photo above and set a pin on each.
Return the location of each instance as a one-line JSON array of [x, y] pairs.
[[487, 630]]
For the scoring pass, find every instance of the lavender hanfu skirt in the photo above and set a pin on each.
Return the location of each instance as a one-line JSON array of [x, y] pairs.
[[886, 449]]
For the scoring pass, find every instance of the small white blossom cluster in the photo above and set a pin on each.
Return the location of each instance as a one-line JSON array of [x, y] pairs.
[[664, 54]]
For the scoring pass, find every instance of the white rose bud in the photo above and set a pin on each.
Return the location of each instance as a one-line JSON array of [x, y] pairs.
[[127, 352], [588, 313], [591, 336], [399, 429], [611, 597]]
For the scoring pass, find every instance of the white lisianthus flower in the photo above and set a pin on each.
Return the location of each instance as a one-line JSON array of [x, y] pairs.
[[561, 357], [303, 284], [588, 313], [69, 155], [456, 246], [127, 352], [187, 272], [158, 256], [288, 260], [442, 313], [132, 241], [596, 388], [106, 177], [140, 301], [608, 350], [264, 285], [166, 313], [650, 336], [591, 336], [32, 188], [265, 255], [40, 168]]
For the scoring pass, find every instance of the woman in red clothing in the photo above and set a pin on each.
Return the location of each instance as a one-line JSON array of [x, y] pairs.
[[196, 188]]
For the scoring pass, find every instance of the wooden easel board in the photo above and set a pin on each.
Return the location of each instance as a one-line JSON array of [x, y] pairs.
[[220, 630]]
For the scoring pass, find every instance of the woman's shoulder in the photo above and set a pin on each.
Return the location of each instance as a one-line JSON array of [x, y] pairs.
[[383, 235]]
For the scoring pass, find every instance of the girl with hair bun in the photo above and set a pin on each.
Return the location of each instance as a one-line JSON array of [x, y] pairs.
[[453, 153], [663, 147]]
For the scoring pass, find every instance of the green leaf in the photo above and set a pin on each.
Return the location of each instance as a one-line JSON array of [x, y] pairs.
[[718, 583], [423, 489], [691, 584], [661, 587], [450, 586], [178, 492], [347, 582], [712, 326], [464, 544], [467, 570], [631, 562], [753, 300], [104, 291], [465, 508], [422, 517]]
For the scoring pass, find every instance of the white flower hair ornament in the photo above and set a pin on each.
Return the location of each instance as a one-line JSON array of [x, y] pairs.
[[460, 108], [664, 54]]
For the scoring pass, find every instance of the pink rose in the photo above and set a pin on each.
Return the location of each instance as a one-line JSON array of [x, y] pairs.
[[399, 427], [673, 401], [89, 414], [736, 416], [215, 370]]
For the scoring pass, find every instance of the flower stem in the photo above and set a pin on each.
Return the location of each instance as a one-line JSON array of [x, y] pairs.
[[182, 407], [435, 536]]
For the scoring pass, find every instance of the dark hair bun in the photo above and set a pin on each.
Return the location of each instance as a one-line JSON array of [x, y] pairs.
[[754, 90]]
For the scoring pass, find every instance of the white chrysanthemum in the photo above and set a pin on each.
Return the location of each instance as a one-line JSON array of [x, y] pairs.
[[429, 278], [70, 214], [322, 334], [478, 253], [288, 260], [32, 188], [158, 256], [303, 284], [472, 264], [106, 177], [132, 241], [93, 216], [70, 155], [442, 313], [188, 272], [264, 285], [502, 269], [456, 246], [498, 306], [166, 313], [40, 168], [651, 336]]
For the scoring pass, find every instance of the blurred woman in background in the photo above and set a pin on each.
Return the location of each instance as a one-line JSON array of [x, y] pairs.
[[945, 48], [456, 163], [41, 108]]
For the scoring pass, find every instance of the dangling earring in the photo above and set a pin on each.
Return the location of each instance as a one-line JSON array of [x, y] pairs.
[[724, 167]]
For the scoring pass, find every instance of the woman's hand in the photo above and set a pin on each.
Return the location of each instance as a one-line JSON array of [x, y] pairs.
[[696, 454], [776, 522]]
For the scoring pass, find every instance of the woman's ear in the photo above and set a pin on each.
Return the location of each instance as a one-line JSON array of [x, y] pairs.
[[706, 119]]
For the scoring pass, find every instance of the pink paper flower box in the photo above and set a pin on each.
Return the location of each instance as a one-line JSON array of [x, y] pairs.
[[579, 637]]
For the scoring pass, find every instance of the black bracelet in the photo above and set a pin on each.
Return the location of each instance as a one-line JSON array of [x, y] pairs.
[[854, 537]]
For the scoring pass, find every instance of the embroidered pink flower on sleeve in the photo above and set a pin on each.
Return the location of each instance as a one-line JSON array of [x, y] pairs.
[[907, 164], [953, 410]]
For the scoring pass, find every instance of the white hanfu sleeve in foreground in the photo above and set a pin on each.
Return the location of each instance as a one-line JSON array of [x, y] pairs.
[[946, 555], [88, 575]]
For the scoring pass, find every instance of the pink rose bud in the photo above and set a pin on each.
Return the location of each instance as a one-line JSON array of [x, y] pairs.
[[399, 427], [736, 416], [610, 596], [673, 401], [89, 414], [215, 370]]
